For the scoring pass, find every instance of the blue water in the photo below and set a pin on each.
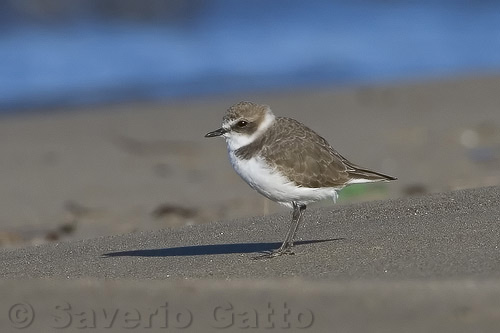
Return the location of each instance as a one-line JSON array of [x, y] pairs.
[[236, 46]]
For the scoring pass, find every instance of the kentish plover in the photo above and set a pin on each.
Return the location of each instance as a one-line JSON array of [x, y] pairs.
[[286, 161]]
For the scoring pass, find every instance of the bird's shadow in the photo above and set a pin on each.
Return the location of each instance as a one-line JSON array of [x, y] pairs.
[[199, 250]]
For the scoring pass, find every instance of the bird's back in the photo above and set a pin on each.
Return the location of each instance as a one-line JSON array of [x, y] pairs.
[[305, 157]]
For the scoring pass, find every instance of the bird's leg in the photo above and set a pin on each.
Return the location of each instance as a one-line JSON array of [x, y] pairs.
[[286, 247], [302, 209]]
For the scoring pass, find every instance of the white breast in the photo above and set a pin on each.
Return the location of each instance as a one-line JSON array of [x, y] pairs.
[[273, 185]]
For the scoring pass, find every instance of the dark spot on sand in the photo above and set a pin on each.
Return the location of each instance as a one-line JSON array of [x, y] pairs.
[[164, 210]]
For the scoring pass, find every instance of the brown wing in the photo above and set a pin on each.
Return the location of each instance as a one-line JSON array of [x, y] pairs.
[[299, 148], [293, 148]]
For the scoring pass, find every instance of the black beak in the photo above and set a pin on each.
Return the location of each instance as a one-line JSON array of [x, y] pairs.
[[215, 133]]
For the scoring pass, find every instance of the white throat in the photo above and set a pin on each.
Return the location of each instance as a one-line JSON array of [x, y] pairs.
[[237, 140]]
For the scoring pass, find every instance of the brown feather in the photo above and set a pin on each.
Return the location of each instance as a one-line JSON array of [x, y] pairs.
[[292, 148]]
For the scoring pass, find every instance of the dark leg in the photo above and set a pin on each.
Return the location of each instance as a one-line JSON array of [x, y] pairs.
[[302, 209], [286, 247]]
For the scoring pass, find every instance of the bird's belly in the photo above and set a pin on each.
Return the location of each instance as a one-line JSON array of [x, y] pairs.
[[275, 186]]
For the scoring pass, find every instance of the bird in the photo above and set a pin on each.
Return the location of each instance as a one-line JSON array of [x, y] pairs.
[[286, 162]]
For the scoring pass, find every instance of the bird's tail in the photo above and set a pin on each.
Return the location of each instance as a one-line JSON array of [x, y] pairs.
[[369, 175]]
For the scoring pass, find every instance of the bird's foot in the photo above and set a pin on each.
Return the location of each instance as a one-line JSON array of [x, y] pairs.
[[274, 253]]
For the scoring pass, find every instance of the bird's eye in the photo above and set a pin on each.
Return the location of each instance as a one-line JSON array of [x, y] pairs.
[[242, 123]]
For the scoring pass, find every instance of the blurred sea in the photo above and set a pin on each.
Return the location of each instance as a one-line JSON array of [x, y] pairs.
[[70, 53]]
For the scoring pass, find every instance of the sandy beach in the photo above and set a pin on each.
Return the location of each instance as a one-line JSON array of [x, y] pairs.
[[450, 235], [82, 173], [134, 214], [427, 263]]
